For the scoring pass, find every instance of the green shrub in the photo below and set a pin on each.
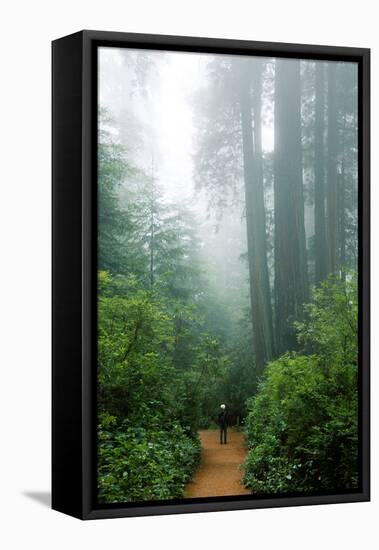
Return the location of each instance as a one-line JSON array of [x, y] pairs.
[[136, 464], [302, 425]]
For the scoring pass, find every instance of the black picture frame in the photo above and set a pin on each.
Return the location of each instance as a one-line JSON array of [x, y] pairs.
[[74, 136]]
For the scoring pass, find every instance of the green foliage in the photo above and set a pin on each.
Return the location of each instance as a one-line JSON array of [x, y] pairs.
[[113, 222], [147, 444], [155, 358], [149, 340], [137, 464], [302, 424], [330, 329], [135, 340], [175, 334]]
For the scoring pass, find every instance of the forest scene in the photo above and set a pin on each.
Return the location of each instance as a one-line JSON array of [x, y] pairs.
[[227, 313]]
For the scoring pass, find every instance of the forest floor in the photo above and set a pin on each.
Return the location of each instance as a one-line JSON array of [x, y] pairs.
[[219, 473]]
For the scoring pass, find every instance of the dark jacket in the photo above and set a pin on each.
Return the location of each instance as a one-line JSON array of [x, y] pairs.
[[223, 419]]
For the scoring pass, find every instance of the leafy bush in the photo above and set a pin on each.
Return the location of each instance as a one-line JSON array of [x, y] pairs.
[[302, 424], [148, 447], [144, 464]]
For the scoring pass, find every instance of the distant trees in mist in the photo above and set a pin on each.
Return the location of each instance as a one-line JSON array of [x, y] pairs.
[[308, 179]]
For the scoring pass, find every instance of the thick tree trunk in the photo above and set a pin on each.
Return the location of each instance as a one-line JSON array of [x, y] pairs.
[[261, 211], [331, 195], [341, 222], [341, 199], [251, 73], [321, 250], [152, 228], [341, 202], [152, 252], [291, 273]]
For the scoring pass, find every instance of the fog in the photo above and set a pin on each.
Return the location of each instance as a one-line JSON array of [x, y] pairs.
[[153, 116], [263, 154], [162, 108]]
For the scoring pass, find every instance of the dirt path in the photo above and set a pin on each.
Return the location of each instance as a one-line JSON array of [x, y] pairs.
[[219, 473]]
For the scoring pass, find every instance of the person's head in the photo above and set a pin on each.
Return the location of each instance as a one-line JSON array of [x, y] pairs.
[[223, 407]]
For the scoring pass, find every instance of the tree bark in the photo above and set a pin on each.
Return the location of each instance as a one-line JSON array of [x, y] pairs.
[[332, 170], [250, 72], [320, 225], [291, 273], [342, 208], [342, 222], [341, 198]]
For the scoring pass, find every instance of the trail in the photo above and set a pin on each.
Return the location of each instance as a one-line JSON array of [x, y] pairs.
[[219, 473]]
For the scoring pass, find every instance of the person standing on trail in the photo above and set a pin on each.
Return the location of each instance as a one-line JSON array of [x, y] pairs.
[[223, 423]]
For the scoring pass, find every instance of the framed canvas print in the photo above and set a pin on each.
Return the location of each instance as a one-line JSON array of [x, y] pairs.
[[210, 274]]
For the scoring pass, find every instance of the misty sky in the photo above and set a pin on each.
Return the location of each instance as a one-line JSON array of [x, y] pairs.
[[151, 97], [165, 107]]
